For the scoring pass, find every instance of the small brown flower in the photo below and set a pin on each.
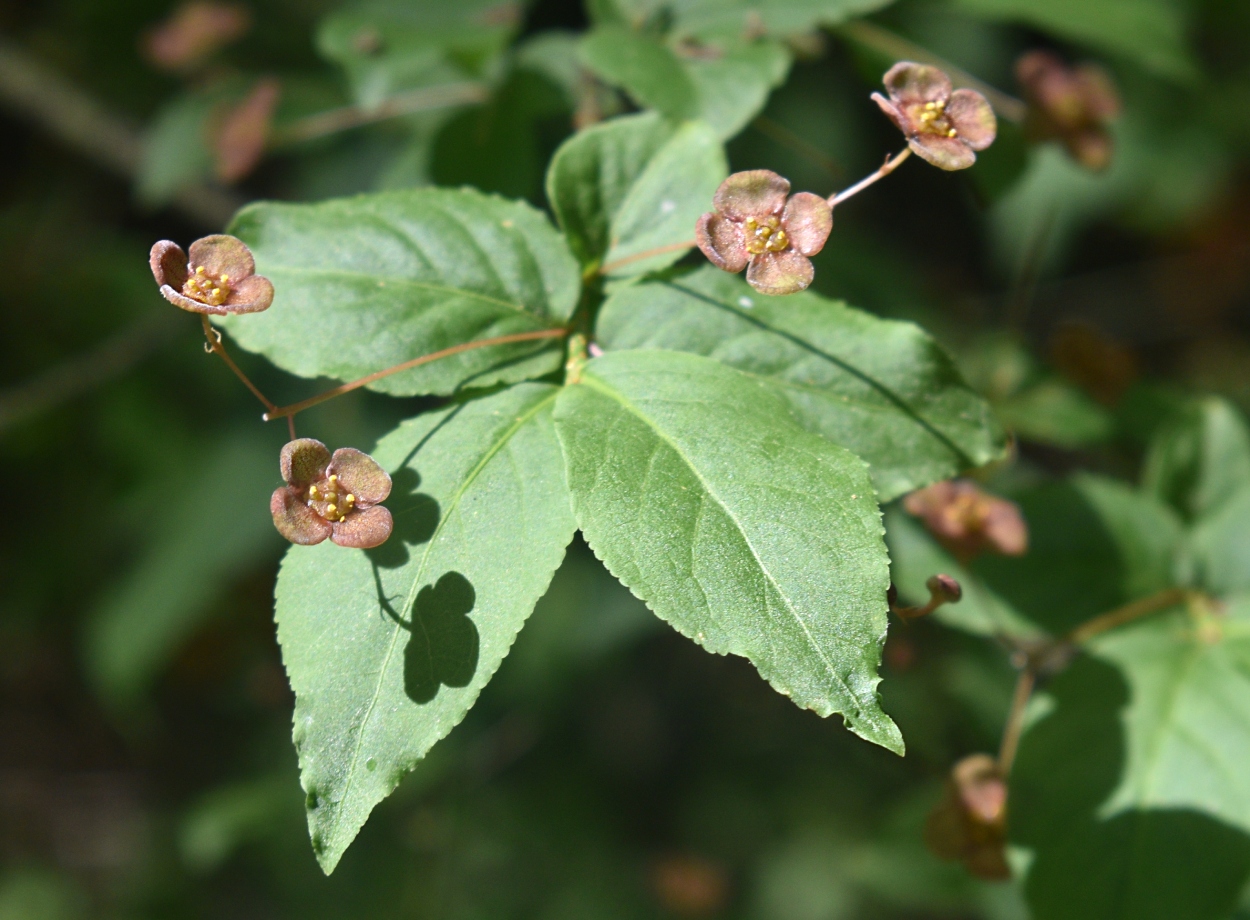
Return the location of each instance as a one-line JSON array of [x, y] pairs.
[[331, 496], [968, 521], [941, 126], [194, 32], [218, 278], [1070, 104], [970, 823], [755, 224], [240, 140]]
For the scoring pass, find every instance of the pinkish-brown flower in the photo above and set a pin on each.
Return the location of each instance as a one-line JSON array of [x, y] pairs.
[[758, 225], [969, 521], [331, 496], [970, 823], [1072, 105], [942, 126], [194, 32], [240, 140], [219, 277]]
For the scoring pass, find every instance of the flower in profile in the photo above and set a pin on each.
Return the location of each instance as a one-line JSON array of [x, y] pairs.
[[942, 126], [219, 276], [1072, 105], [194, 32], [758, 225], [970, 823], [969, 521], [331, 496], [240, 140]]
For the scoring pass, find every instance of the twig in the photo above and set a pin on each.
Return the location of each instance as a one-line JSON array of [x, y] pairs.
[[645, 254], [354, 116], [890, 164], [61, 383], [217, 346], [800, 145], [1169, 597], [289, 411], [900, 49], [1025, 682], [36, 91]]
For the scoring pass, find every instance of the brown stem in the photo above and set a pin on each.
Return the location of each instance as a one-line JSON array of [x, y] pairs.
[[216, 346], [288, 411], [1015, 718], [1169, 597], [645, 254], [890, 164], [900, 49], [353, 116]]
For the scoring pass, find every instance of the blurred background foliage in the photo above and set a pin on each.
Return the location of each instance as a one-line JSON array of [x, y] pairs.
[[611, 769]]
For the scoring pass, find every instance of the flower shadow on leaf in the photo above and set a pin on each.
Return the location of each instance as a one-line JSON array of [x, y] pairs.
[[416, 518]]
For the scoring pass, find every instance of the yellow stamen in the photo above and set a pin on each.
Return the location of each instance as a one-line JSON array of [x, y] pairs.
[[333, 478], [332, 509], [314, 491], [350, 498]]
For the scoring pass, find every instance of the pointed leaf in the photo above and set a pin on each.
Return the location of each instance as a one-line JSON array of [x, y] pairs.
[[747, 533], [631, 185], [781, 17], [388, 649], [879, 388], [368, 282], [1200, 458]]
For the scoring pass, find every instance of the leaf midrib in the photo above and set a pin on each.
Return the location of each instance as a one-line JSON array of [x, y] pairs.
[[520, 422], [620, 398]]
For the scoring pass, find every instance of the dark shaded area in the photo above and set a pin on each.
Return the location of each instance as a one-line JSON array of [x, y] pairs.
[[443, 646]]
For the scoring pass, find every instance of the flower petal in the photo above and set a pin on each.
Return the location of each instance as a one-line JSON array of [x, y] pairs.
[[169, 264], [785, 272], [223, 254], [304, 461], [364, 529], [1102, 100], [896, 114], [295, 520], [251, 295], [909, 83], [1092, 148], [1005, 529], [723, 241], [360, 475], [973, 118], [807, 221], [943, 152], [184, 302], [754, 193]]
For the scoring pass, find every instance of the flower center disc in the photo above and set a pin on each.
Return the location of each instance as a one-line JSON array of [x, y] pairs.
[[329, 500], [765, 236], [933, 120], [202, 286]]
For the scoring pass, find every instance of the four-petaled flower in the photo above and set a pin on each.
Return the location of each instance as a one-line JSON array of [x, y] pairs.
[[970, 823], [1070, 104], [331, 496], [968, 521], [941, 126], [755, 224], [219, 276]]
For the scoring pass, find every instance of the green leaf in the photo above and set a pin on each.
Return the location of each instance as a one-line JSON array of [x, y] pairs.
[[747, 533], [1133, 791], [1220, 544], [782, 17], [368, 282], [387, 650], [1199, 459], [1150, 32], [176, 149], [634, 184], [213, 525], [387, 46], [882, 389], [1055, 412], [725, 81], [1094, 544]]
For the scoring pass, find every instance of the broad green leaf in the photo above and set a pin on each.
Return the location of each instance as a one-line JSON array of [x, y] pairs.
[[386, 46], [1150, 32], [1053, 411], [1199, 459], [914, 556], [634, 184], [783, 17], [213, 526], [1094, 544], [387, 650], [1132, 791], [747, 533], [724, 82], [879, 388], [176, 149], [368, 282], [1220, 544]]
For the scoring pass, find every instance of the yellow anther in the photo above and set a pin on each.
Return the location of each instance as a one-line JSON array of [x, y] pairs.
[[342, 518], [350, 498], [216, 292], [314, 491], [930, 106], [950, 133], [225, 279], [199, 269], [333, 478], [332, 509]]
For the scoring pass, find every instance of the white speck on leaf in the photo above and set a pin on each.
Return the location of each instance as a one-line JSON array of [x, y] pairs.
[[668, 206], [746, 303]]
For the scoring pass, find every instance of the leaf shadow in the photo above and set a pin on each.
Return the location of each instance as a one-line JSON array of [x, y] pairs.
[[1149, 863]]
